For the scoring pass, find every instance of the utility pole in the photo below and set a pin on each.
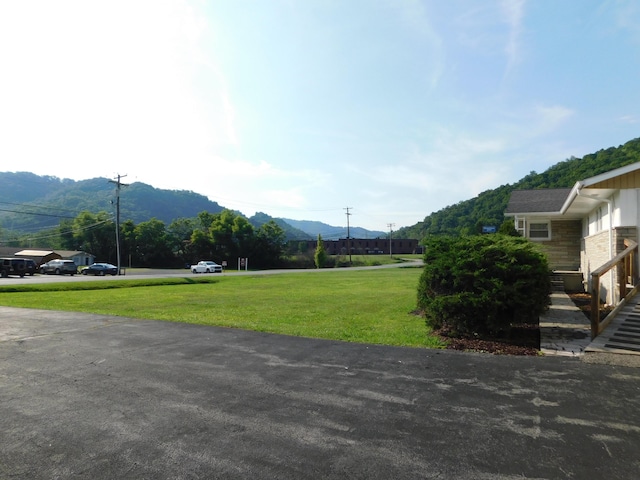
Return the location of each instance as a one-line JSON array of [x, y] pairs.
[[348, 234], [118, 185], [390, 225]]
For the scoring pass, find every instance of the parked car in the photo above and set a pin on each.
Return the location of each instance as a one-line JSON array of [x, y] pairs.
[[59, 267], [100, 269], [30, 266], [12, 266], [206, 267]]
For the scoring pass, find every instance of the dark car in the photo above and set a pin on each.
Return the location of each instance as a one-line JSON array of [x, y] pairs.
[[59, 267], [12, 266], [100, 269], [30, 266]]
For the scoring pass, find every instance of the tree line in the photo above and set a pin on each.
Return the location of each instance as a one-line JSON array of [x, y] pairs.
[[223, 236], [469, 216]]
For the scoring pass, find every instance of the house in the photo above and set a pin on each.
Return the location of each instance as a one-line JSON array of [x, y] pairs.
[[80, 258], [38, 256], [41, 256], [583, 227]]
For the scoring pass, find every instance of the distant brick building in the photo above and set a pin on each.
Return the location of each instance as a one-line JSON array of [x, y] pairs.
[[368, 246]]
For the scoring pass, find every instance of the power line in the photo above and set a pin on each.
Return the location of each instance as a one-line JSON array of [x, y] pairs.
[[55, 234], [35, 213], [39, 206]]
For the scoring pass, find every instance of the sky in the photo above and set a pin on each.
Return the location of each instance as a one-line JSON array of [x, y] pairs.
[[302, 109]]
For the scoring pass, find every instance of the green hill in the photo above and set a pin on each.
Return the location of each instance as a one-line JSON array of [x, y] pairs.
[[29, 202], [488, 207], [329, 232]]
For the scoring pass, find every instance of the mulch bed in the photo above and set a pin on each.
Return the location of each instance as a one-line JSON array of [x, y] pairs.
[[523, 339]]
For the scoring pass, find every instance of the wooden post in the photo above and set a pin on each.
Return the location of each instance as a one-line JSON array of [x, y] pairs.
[[595, 305]]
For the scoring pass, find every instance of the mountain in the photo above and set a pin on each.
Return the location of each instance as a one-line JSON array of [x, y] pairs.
[[291, 232], [31, 203], [488, 207], [329, 232]]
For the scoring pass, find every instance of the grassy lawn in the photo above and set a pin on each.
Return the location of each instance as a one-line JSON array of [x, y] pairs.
[[371, 306]]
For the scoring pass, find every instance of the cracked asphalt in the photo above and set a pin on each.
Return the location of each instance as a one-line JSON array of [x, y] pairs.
[[91, 396]]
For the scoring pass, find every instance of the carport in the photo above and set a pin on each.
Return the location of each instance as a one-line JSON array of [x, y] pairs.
[[38, 256]]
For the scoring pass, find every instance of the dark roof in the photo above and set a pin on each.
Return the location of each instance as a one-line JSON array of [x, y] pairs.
[[544, 200]]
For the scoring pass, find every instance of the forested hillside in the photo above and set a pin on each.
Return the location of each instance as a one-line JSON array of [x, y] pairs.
[[328, 232], [290, 231], [29, 202], [488, 207]]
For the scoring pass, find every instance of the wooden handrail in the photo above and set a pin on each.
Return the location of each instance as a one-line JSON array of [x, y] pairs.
[[626, 259]]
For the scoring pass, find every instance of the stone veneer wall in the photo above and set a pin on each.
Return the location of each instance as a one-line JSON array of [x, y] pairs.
[[595, 253], [563, 250]]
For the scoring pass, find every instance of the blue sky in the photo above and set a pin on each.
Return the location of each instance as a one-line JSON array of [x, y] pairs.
[[301, 108]]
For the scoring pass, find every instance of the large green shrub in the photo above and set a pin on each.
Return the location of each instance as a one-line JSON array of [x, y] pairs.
[[482, 284]]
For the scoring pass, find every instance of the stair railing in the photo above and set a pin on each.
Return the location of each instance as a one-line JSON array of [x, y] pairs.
[[627, 277]]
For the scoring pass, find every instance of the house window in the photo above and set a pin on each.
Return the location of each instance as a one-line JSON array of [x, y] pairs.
[[520, 225], [599, 216], [539, 230]]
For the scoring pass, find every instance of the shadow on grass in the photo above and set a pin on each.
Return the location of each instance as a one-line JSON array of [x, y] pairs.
[[105, 285]]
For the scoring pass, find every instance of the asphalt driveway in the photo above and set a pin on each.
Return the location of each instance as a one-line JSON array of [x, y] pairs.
[[89, 396]]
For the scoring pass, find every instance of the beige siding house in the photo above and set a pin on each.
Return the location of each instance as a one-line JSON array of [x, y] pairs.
[[583, 227], [41, 256]]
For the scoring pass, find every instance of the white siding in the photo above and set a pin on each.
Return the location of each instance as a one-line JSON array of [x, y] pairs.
[[626, 202]]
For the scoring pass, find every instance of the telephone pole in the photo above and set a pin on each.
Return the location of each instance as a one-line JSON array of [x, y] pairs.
[[390, 225], [118, 185], [348, 234]]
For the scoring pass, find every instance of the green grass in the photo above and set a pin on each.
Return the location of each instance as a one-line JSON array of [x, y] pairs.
[[373, 306], [371, 260]]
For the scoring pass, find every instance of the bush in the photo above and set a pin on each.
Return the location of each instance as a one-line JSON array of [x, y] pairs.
[[320, 257], [482, 284]]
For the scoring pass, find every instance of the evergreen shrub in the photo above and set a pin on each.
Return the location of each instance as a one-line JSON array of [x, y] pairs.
[[482, 284]]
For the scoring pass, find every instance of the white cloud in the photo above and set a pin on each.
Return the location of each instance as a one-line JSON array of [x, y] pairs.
[[547, 118], [627, 16], [632, 119], [513, 13], [456, 166], [88, 84], [414, 14], [493, 27], [248, 186]]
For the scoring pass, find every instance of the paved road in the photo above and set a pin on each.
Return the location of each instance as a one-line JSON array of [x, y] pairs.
[[164, 273], [98, 397]]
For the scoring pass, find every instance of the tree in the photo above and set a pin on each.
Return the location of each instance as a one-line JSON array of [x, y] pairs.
[[508, 227], [200, 245], [231, 235], [269, 245], [128, 241], [179, 235], [152, 248], [320, 257], [95, 234]]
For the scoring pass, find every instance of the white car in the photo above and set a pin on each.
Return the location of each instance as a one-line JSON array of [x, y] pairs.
[[206, 267]]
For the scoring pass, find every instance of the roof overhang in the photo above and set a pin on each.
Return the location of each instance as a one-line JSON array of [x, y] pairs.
[[582, 200], [35, 253]]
